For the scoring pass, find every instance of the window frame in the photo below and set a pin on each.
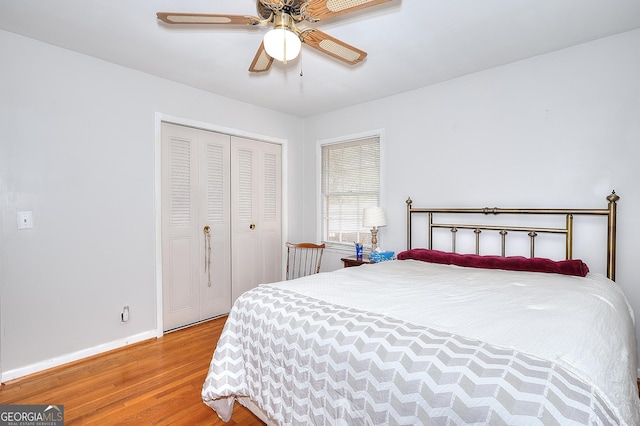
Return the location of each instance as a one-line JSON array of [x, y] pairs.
[[377, 133]]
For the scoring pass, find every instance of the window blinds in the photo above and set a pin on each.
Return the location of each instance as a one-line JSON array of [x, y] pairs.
[[350, 182]]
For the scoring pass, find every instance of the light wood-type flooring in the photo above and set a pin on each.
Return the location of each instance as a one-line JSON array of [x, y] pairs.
[[156, 382]]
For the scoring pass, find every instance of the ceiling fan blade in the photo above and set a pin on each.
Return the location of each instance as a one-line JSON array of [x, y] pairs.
[[333, 47], [206, 18], [317, 10], [261, 62]]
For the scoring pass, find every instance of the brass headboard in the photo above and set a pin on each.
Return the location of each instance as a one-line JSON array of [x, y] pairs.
[[532, 232]]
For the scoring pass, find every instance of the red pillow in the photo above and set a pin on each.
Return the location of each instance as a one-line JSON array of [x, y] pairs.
[[512, 263]]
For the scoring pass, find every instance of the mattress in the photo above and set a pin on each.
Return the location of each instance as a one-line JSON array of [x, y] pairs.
[[409, 342]]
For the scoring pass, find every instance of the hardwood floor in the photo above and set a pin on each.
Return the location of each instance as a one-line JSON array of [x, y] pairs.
[[155, 382]]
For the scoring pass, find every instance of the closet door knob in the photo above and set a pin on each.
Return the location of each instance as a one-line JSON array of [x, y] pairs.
[[252, 226]]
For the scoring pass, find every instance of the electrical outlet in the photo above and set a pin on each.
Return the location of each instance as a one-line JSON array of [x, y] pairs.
[[124, 316]]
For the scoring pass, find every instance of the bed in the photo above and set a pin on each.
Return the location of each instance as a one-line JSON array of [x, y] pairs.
[[438, 337]]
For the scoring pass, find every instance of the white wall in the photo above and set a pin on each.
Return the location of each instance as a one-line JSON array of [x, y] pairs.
[[77, 149], [558, 130]]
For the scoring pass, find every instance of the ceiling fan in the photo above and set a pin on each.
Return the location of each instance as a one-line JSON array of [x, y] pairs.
[[284, 41]]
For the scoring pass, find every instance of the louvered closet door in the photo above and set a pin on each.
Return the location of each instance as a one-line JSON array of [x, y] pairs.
[[195, 193], [256, 182]]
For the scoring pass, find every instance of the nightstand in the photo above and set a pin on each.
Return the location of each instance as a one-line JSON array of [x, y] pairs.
[[350, 261]]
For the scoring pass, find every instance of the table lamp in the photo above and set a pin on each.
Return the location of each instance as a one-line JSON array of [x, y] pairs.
[[374, 217]]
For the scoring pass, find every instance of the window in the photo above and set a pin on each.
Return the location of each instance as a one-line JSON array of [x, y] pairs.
[[350, 182]]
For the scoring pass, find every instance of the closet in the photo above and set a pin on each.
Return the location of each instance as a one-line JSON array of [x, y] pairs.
[[221, 221]]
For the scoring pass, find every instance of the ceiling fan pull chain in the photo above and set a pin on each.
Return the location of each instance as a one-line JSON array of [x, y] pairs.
[[301, 63]]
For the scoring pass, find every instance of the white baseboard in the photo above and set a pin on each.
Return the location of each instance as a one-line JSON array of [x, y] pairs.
[[75, 356]]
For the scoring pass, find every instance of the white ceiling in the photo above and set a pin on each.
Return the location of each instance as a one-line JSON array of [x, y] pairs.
[[410, 43]]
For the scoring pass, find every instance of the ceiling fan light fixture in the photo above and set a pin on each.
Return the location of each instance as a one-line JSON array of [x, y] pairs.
[[282, 43]]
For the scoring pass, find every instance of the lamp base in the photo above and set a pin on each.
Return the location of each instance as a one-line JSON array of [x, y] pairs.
[[374, 238]]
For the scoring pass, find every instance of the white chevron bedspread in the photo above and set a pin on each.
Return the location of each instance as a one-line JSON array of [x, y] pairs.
[[406, 342]]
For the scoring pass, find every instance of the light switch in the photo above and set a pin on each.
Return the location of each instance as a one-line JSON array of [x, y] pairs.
[[25, 220]]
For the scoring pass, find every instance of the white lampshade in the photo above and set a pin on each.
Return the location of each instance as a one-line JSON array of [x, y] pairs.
[[373, 217], [281, 41]]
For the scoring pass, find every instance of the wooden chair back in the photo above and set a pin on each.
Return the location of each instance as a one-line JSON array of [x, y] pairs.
[[303, 259]]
